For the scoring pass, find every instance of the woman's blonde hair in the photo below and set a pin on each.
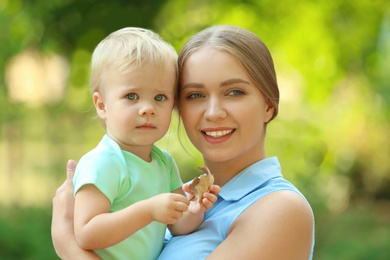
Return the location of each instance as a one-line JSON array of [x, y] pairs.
[[129, 47], [249, 50]]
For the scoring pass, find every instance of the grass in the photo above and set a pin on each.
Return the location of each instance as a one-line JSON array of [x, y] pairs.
[[361, 232], [25, 234]]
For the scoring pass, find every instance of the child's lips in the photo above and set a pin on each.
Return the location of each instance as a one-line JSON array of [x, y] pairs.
[[146, 127]]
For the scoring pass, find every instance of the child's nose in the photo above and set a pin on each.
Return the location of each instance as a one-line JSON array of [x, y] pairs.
[[147, 109]]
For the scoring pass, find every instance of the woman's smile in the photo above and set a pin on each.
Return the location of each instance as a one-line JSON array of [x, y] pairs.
[[217, 136]]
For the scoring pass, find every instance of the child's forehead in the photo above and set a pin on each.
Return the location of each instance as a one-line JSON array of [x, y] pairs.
[[145, 73], [124, 67]]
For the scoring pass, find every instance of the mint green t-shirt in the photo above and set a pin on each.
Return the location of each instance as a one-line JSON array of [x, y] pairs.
[[124, 179]]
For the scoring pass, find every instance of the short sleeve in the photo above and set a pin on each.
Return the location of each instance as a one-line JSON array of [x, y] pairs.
[[102, 169]]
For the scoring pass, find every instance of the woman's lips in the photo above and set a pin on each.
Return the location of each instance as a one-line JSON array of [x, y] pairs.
[[217, 136]]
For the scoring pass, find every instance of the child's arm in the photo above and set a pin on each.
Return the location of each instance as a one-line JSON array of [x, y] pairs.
[[62, 225], [192, 218], [96, 227]]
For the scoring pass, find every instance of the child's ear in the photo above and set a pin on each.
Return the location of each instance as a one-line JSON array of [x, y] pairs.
[[98, 101], [269, 111]]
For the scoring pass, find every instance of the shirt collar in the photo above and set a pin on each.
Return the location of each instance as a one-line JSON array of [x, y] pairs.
[[251, 178]]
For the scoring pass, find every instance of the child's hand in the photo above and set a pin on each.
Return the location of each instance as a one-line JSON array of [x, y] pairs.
[[167, 208], [207, 202]]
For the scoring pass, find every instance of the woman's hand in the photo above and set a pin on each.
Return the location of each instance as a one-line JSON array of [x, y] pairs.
[[63, 209], [62, 230]]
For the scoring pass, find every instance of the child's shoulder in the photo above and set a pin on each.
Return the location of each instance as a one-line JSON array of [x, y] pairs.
[[162, 154], [106, 152]]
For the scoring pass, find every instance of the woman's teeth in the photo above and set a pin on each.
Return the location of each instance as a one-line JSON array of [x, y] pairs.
[[218, 134]]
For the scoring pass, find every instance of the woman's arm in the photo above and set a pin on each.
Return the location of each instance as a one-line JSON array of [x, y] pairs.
[[62, 233], [278, 226]]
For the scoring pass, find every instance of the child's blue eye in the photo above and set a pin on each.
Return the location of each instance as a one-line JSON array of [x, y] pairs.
[[132, 96], [160, 97]]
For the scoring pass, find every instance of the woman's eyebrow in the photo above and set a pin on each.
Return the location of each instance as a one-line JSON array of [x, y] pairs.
[[222, 84], [233, 81], [192, 85]]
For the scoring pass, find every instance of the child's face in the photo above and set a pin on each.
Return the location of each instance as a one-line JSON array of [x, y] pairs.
[[137, 106]]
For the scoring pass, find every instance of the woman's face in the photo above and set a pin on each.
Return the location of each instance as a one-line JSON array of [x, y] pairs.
[[223, 112]]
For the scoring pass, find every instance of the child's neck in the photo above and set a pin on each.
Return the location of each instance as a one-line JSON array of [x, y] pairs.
[[142, 151]]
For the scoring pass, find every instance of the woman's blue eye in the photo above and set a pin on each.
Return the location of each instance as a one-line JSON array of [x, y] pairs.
[[235, 92], [132, 96], [194, 96], [160, 97]]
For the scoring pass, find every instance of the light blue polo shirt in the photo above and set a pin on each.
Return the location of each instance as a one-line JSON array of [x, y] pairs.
[[254, 182]]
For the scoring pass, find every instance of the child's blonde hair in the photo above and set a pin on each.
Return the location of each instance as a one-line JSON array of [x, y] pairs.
[[130, 47]]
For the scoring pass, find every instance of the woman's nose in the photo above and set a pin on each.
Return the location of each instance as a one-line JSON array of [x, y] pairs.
[[147, 109], [215, 110]]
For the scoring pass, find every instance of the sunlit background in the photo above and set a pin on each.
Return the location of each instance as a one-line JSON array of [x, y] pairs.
[[332, 134]]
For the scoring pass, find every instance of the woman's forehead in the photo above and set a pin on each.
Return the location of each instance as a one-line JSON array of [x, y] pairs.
[[212, 63]]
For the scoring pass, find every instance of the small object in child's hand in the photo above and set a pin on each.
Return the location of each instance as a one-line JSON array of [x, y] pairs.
[[202, 183]]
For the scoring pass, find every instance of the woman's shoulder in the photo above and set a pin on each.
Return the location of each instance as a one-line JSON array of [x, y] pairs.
[[284, 201], [281, 203], [283, 216]]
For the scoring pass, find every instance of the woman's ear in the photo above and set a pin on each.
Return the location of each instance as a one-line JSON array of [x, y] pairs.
[[98, 101], [269, 111]]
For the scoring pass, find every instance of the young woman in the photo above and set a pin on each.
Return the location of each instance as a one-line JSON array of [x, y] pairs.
[[228, 93]]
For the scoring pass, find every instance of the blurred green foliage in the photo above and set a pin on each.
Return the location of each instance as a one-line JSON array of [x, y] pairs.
[[331, 135]]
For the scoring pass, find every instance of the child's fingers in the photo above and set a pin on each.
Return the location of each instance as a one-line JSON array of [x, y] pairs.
[[215, 189], [186, 188]]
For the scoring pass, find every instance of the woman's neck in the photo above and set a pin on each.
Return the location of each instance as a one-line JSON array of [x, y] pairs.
[[225, 171]]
